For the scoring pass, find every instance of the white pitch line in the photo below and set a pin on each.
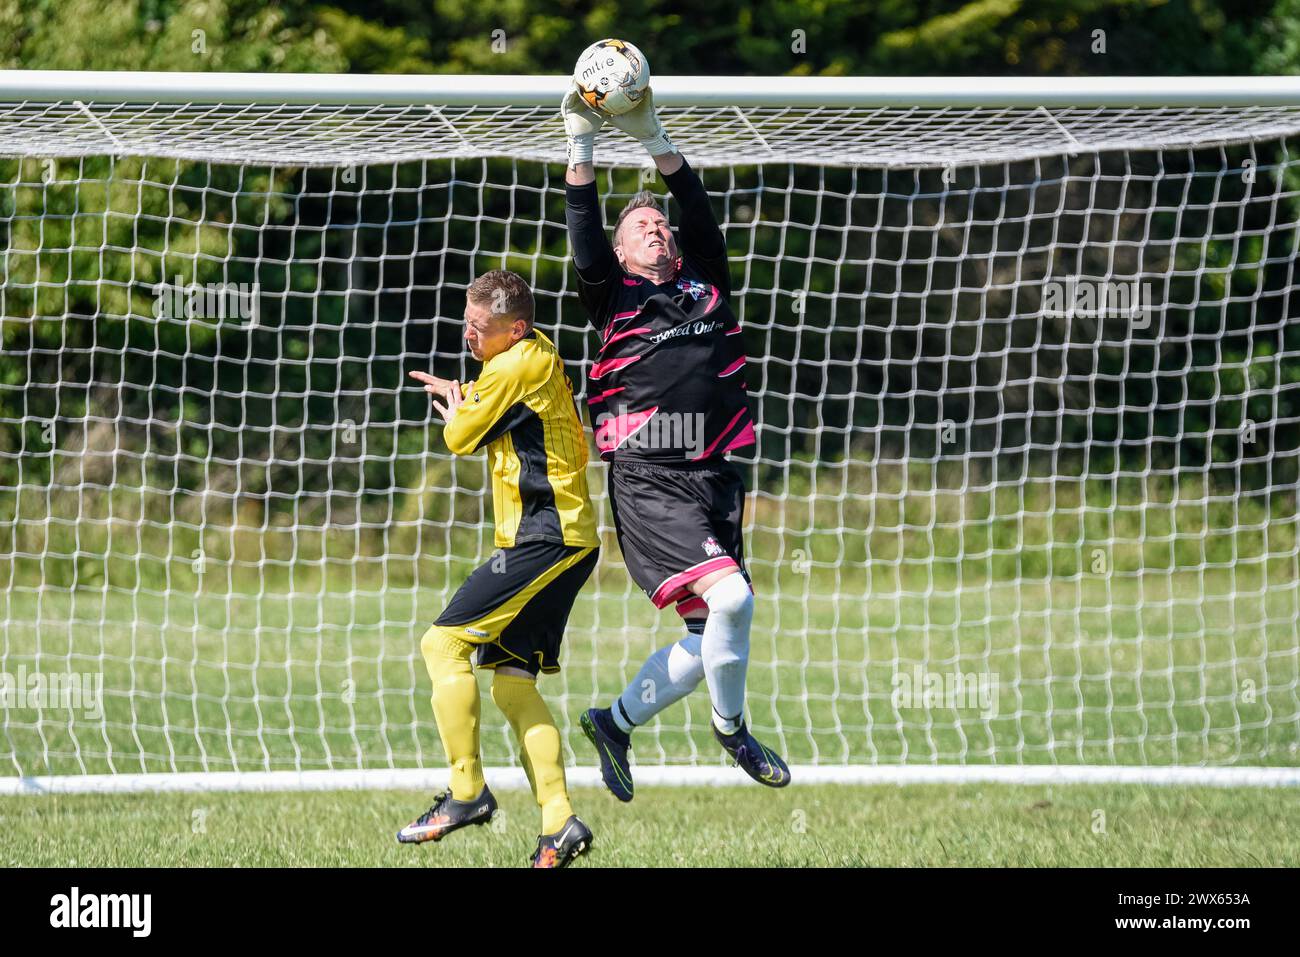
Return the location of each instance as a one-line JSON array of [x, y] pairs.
[[513, 779]]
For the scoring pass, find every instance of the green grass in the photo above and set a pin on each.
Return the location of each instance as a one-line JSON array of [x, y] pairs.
[[1158, 670], [813, 826]]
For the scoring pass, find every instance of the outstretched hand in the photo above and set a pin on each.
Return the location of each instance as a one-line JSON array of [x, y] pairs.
[[643, 125], [581, 124], [454, 401], [449, 389], [436, 386]]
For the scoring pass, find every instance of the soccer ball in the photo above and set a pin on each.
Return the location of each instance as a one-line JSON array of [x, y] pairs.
[[612, 76]]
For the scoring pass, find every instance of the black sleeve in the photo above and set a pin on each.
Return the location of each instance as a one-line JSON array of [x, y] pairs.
[[698, 234], [514, 416], [593, 257]]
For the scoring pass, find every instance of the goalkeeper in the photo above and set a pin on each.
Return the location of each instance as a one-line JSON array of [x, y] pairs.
[[511, 612], [670, 365]]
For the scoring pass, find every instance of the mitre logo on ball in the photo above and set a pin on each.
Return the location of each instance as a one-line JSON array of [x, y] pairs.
[[612, 76]]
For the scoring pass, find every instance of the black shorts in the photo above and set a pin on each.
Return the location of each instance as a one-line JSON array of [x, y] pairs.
[[676, 524], [516, 605]]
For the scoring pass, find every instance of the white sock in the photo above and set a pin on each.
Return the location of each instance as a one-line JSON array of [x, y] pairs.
[[667, 676], [725, 649]]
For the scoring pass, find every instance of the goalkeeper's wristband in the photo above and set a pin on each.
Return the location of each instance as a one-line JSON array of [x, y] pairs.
[[659, 144], [582, 148]]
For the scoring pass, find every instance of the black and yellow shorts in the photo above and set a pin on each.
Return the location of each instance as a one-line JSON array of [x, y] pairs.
[[515, 606]]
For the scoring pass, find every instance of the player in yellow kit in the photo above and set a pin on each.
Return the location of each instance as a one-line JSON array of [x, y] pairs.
[[510, 613]]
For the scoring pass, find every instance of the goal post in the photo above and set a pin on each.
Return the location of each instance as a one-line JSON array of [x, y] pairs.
[[1024, 357]]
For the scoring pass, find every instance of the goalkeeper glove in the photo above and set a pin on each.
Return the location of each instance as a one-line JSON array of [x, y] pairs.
[[581, 124], [642, 124]]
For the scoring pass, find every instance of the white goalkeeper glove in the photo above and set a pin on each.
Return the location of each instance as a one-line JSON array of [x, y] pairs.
[[642, 124], [581, 124]]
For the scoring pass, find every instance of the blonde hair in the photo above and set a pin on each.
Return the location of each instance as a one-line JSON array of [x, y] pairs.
[[505, 294]]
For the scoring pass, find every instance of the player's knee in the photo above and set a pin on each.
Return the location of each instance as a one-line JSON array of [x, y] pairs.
[[443, 642], [685, 665], [444, 652], [731, 597], [689, 646], [506, 688]]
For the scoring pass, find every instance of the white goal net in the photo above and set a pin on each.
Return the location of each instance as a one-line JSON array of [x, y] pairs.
[[1026, 380]]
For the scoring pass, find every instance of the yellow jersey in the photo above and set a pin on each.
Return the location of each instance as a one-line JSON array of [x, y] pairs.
[[521, 408]]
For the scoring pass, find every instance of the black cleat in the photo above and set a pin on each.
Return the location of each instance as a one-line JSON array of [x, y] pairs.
[[760, 763], [559, 849], [447, 815], [611, 746]]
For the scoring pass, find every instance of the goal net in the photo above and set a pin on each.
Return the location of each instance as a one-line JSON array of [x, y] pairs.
[[1024, 361]]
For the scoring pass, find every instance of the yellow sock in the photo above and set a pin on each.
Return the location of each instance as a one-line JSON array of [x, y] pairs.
[[528, 770], [455, 708], [520, 702]]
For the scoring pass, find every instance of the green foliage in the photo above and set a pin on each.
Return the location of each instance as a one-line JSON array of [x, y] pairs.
[[369, 47], [234, 35], [830, 37]]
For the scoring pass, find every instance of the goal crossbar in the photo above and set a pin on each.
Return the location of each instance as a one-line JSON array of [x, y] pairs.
[[492, 90], [901, 122]]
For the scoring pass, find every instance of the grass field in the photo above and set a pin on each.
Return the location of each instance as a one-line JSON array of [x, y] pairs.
[[1134, 666], [813, 826], [1168, 670]]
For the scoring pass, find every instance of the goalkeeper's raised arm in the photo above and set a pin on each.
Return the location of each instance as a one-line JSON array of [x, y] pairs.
[[640, 250], [670, 344]]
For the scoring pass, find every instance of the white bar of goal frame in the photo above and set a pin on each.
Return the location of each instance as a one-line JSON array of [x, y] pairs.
[[513, 779], [901, 122], [713, 94], [714, 91]]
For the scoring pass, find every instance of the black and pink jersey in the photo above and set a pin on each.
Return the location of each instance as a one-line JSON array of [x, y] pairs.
[[668, 384]]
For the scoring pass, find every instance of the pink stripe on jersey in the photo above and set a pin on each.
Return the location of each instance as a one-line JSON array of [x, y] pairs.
[[631, 282], [617, 317], [733, 368], [623, 335], [714, 444], [745, 437], [712, 301], [734, 332], [605, 395], [617, 429], [607, 366]]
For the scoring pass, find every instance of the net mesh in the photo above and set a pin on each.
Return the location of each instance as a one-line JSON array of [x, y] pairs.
[[316, 135], [1027, 394]]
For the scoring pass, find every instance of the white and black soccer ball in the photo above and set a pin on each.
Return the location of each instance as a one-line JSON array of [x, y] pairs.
[[612, 76]]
